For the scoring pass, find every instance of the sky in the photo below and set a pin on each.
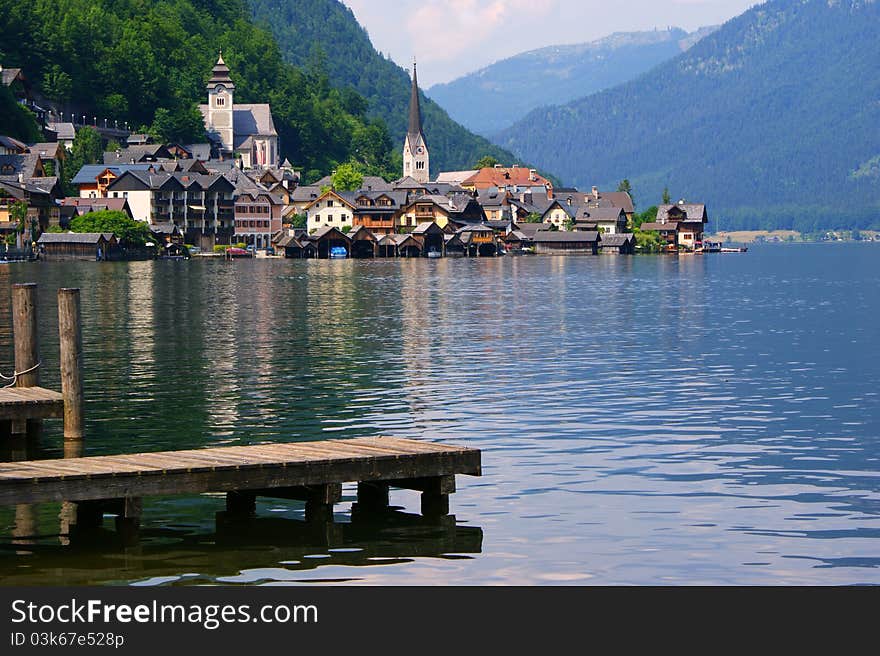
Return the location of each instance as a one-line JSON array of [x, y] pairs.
[[450, 38]]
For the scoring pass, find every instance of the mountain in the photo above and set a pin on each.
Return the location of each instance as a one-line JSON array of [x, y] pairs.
[[772, 121], [325, 33], [136, 61], [495, 97]]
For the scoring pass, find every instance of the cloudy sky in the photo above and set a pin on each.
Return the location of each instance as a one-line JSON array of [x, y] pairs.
[[452, 37]]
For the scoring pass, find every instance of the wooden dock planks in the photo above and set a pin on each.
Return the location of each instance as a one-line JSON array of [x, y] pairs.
[[237, 468], [30, 403]]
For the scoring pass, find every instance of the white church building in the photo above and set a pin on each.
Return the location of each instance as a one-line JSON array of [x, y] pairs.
[[244, 131]]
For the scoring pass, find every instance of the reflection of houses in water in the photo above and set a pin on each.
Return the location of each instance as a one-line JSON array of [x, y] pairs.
[[143, 347]]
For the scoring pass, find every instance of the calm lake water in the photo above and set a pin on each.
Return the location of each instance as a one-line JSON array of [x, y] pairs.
[[643, 420]]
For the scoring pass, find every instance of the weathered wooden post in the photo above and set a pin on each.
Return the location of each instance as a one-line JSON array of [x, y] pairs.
[[27, 350], [70, 336]]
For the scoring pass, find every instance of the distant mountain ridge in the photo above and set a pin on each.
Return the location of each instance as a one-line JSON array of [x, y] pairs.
[[772, 121], [494, 97]]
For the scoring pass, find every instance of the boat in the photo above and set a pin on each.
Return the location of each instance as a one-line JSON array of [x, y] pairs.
[[338, 253], [434, 253], [735, 250], [711, 246]]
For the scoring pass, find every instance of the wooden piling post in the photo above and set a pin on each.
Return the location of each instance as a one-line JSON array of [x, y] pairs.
[[27, 350], [70, 336]]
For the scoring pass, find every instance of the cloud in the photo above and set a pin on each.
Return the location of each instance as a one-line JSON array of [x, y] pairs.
[[454, 37], [445, 29]]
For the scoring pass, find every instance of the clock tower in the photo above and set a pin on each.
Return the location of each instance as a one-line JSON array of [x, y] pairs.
[[219, 121], [416, 162]]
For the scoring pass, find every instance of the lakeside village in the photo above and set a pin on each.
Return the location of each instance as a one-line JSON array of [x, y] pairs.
[[232, 197]]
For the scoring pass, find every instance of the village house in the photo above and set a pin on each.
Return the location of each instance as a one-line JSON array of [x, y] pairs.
[[607, 220], [201, 205], [92, 180], [330, 209], [379, 211], [459, 210], [257, 218], [680, 225]]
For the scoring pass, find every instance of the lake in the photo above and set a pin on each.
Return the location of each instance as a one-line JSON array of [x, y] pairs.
[[643, 420]]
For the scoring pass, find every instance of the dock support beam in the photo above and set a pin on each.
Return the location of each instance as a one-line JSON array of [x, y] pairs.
[[372, 496], [70, 336], [128, 519], [241, 505], [27, 350]]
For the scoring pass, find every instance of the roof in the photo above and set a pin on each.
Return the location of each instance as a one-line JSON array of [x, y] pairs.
[[9, 75], [88, 173], [672, 225], [531, 228], [64, 131], [693, 212], [305, 194], [166, 228], [561, 236], [594, 214], [617, 239], [322, 232], [374, 183], [455, 177], [12, 144], [74, 237], [619, 199], [46, 150], [220, 73], [361, 232], [500, 176], [25, 163], [137, 153]]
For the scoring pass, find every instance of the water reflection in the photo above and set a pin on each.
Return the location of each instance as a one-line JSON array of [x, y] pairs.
[[643, 420], [252, 551]]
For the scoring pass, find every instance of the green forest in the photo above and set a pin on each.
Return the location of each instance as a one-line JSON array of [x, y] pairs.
[[147, 63], [771, 121], [310, 31]]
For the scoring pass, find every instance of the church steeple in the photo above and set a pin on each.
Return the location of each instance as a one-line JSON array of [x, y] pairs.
[[416, 162]]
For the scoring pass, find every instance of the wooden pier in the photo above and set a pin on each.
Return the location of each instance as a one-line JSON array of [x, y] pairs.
[[309, 471]]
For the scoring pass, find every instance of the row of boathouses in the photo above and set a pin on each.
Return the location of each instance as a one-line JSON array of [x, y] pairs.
[[430, 240]]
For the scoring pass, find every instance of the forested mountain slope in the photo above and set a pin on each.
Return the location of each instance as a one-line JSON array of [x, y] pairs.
[[308, 30]]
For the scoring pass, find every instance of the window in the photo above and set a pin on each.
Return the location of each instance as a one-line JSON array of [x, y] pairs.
[[221, 101], [420, 166], [329, 218], [329, 202]]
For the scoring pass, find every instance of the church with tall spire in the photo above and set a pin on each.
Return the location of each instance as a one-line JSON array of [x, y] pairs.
[[416, 161]]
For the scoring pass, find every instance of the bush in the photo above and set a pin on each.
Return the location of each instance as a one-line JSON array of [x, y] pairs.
[[241, 244], [220, 248]]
